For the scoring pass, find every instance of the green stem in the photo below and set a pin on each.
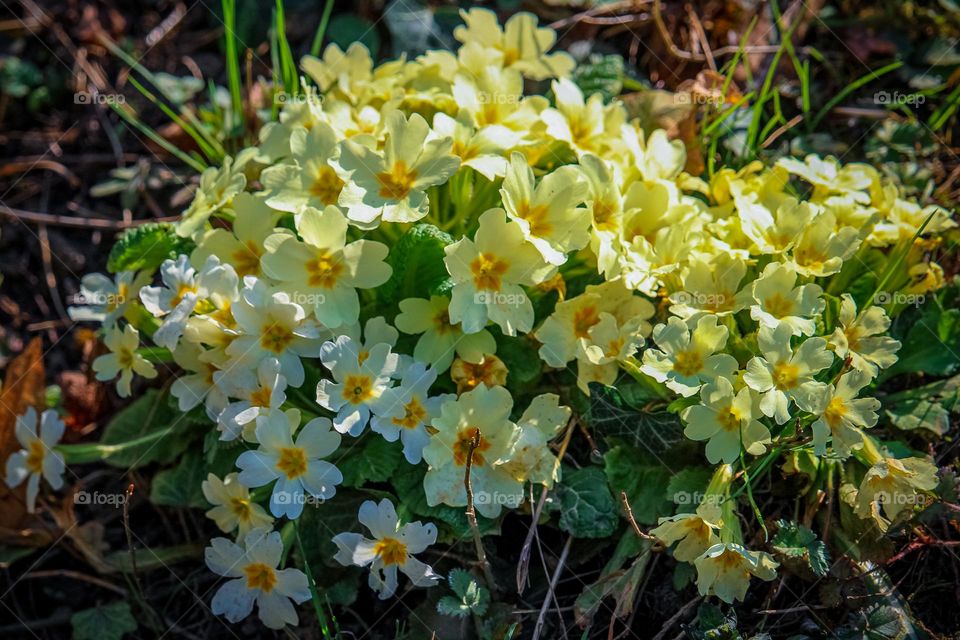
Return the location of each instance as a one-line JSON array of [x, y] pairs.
[[322, 29], [314, 593], [92, 452]]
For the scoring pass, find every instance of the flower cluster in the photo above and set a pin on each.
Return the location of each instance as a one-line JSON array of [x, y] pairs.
[[561, 225]]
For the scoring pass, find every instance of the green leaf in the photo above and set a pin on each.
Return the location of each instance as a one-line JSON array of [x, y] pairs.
[[347, 28], [793, 540], [181, 485], [879, 622], [611, 414], [146, 247], [616, 581], [374, 460], [713, 624], [687, 486], [319, 523], [643, 477], [471, 596], [927, 407], [930, 344], [519, 354], [151, 412], [417, 261], [587, 508], [104, 622], [602, 74]]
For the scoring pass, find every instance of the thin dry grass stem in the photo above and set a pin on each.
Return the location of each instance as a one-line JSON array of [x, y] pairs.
[[472, 516]]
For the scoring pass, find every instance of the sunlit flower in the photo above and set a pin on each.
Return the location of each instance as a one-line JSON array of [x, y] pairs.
[[724, 570], [391, 549], [37, 459], [841, 415], [821, 248], [687, 359], [490, 371], [893, 486], [232, 505], [307, 178], [774, 300], [104, 300], [358, 382], [441, 340], [257, 393], [480, 149], [488, 272], [727, 420], [520, 43], [584, 123], [254, 578], [323, 269], [295, 465], [696, 532], [531, 458], [218, 186], [406, 410], [199, 383], [123, 359], [860, 337], [710, 288], [392, 185], [242, 245], [783, 374]]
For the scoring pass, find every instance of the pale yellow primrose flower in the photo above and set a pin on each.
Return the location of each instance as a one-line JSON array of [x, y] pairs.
[[828, 176], [696, 532], [710, 287], [686, 360], [607, 345], [324, 270], [531, 459], [727, 420], [488, 96], [773, 233], [605, 204], [343, 72], [584, 124], [652, 158], [893, 486], [441, 339], [307, 178], [487, 273], [218, 186], [123, 359], [482, 150], [483, 412], [861, 338], [548, 211], [242, 246], [822, 249], [783, 374], [841, 415], [391, 185], [724, 570], [774, 301], [232, 506], [521, 45]]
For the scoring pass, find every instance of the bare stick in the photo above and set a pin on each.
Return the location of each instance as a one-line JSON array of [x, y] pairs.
[[537, 630], [472, 515]]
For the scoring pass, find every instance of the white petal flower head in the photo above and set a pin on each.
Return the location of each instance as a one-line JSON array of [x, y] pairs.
[[123, 359], [841, 414], [727, 420], [199, 384], [258, 394], [530, 457], [104, 300], [360, 378], [308, 177], [583, 122], [232, 506], [324, 271], [378, 331], [179, 280], [271, 325], [441, 340], [392, 185], [606, 345], [255, 579], [785, 374], [242, 245], [775, 300], [548, 212], [406, 410], [390, 550], [213, 288], [687, 359], [724, 570], [296, 465], [480, 414], [37, 459], [488, 272], [480, 149], [860, 337]]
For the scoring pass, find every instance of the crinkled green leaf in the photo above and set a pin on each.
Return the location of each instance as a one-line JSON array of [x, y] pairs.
[[146, 247], [103, 622], [417, 262], [643, 477], [147, 414], [601, 74], [373, 460], [587, 508], [797, 541]]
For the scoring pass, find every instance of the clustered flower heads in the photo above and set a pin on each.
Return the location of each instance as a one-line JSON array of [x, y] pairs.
[[559, 223]]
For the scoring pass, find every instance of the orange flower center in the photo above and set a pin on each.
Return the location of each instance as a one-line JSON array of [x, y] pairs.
[[292, 461], [397, 183], [465, 440], [390, 551], [357, 389], [487, 270], [260, 576]]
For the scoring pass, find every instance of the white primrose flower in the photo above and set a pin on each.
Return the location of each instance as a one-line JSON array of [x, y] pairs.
[[257, 395], [378, 331], [359, 380], [405, 411], [391, 549], [861, 337], [441, 340], [199, 384], [105, 300], [296, 465], [785, 374], [841, 415], [37, 459], [123, 359], [256, 579], [232, 506], [727, 420], [270, 325]]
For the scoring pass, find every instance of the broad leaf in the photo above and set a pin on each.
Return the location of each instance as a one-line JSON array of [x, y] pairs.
[[587, 508], [104, 622], [146, 247]]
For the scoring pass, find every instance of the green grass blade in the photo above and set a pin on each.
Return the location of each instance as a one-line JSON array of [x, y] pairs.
[[322, 29], [853, 86]]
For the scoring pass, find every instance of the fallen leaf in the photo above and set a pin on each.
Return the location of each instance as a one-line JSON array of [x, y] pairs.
[[23, 387]]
